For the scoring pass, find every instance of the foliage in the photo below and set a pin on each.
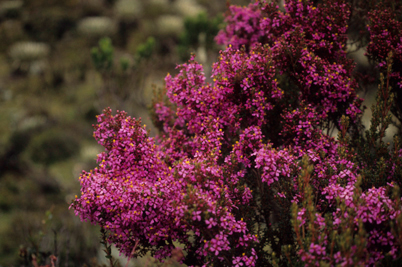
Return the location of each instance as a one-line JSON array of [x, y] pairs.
[[51, 146], [244, 171], [102, 56], [118, 80], [145, 50], [198, 31]]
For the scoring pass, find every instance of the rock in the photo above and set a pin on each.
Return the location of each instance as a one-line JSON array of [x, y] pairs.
[[156, 8], [188, 8], [10, 8], [38, 67], [97, 27], [170, 25], [31, 123], [128, 10], [29, 51]]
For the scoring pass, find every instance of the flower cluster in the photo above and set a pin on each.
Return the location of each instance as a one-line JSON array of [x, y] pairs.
[[126, 194], [308, 44], [385, 35], [244, 171], [136, 196], [385, 29], [368, 214]]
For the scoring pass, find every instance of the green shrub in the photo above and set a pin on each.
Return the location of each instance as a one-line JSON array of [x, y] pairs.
[[52, 146]]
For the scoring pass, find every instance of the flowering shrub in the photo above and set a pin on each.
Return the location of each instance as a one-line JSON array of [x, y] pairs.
[[244, 171]]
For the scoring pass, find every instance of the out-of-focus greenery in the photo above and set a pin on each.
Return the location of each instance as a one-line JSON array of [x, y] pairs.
[[102, 56], [199, 30], [51, 146], [57, 72], [145, 50]]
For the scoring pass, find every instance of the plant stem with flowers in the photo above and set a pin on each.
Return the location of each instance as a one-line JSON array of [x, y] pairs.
[[243, 171]]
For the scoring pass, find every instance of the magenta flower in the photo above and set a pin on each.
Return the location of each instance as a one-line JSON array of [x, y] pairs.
[[244, 160]]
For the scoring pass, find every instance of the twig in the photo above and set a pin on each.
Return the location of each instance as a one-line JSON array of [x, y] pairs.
[[132, 252], [107, 249], [53, 258]]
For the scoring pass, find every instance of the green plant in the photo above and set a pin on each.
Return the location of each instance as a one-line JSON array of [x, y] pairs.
[[146, 49], [102, 56], [51, 146], [198, 31]]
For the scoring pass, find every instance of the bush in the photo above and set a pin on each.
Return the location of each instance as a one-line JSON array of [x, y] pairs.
[[244, 171], [194, 28], [51, 146]]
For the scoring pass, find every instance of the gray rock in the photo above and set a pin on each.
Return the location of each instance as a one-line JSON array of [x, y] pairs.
[[97, 27], [29, 51]]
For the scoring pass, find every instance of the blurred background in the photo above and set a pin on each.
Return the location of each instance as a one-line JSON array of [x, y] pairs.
[[61, 63]]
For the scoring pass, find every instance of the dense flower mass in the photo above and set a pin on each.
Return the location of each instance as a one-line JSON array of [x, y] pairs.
[[244, 171]]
